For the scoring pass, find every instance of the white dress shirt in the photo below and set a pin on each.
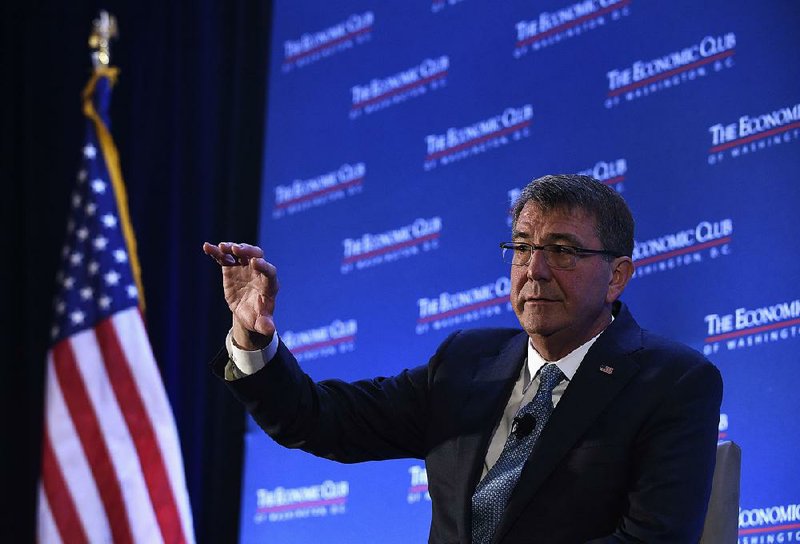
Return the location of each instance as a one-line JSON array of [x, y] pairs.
[[525, 389]]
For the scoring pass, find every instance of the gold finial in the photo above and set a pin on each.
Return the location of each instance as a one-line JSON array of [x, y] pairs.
[[104, 29]]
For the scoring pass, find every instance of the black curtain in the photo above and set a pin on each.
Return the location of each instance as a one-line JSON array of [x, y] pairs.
[[187, 116]]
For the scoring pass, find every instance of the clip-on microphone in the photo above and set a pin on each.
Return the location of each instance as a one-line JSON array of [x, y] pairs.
[[523, 425]]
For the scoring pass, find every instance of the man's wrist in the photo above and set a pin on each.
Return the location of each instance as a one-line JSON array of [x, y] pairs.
[[249, 340], [250, 361]]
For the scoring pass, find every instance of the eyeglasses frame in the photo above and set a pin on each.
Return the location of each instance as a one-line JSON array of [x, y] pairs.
[[551, 249]]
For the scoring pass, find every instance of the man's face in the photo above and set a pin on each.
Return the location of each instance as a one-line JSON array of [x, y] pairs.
[[560, 309]]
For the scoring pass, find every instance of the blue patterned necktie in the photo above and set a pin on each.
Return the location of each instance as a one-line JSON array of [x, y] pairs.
[[492, 493]]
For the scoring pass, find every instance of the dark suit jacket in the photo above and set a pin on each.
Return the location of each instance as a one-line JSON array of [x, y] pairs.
[[627, 455]]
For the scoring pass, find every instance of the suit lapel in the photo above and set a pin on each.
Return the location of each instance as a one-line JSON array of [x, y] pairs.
[[491, 386], [587, 395]]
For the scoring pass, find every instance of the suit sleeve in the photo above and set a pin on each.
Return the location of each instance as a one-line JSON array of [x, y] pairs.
[[382, 418], [674, 459]]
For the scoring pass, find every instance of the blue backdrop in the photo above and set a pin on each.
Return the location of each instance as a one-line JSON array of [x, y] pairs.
[[399, 132]]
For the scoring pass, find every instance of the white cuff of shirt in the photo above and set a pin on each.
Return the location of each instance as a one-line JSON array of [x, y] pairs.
[[250, 362]]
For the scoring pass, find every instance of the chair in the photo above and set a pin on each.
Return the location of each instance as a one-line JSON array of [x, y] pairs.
[[722, 519]]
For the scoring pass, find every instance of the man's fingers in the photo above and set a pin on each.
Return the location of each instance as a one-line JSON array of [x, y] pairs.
[[231, 254], [269, 270], [212, 251], [218, 255], [247, 251]]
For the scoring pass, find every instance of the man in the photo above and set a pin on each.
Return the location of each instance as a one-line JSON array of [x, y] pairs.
[[582, 428]]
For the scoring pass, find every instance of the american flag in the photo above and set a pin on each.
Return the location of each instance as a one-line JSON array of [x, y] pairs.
[[111, 463]]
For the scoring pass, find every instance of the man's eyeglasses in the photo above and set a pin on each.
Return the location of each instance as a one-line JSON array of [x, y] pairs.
[[555, 255]]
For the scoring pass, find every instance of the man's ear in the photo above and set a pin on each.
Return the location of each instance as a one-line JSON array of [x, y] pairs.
[[621, 273]]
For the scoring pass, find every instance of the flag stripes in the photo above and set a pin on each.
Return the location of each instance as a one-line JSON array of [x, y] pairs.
[[115, 430], [84, 418], [136, 472], [137, 349], [63, 517], [71, 464], [141, 430]]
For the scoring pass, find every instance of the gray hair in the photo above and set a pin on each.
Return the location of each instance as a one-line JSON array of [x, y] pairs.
[[613, 218]]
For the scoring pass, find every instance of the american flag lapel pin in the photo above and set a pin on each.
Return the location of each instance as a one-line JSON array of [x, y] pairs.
[[605, 369]]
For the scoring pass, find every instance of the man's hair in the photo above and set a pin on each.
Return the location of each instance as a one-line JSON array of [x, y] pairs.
[[573, 192]]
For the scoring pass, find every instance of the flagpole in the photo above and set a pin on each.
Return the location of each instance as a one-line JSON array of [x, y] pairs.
[[104, 29]]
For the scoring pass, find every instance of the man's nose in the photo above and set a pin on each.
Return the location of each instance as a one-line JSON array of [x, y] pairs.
[[538, 268]]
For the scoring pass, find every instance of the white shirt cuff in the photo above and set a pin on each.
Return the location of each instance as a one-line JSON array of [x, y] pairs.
[[250, 362]]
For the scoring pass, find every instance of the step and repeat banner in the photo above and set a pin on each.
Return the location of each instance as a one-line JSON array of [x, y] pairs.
[[398, 133]]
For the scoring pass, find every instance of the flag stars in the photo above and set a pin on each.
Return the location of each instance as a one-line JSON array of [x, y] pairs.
[[86, 293], [89, 151], [60, 307], [54, 330], [120, 256], [77, 317], [82, 233], [132, 291], [93, 268], [112, 278], [104, 302], [91, 208], [100, 243], [76, 258], [109, 220], [69, 282], [76, 201], [99, 186], [65, 251], [81, 175]]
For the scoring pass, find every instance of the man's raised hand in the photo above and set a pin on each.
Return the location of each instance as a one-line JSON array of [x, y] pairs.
[[250, 284]]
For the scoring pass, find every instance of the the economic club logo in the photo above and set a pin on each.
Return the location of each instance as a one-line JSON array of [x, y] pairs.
[[753, 133], [328, 498], [428, 75], [750, 327], [458, 143], [418, 487], [685, 247], [466, 306], [311, 47], [369, 250], [646, 77], [325, 341], [304, 194], [771, 524], [552, 27]]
